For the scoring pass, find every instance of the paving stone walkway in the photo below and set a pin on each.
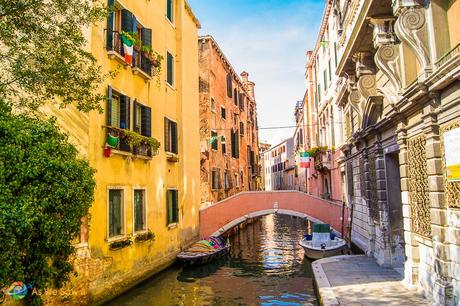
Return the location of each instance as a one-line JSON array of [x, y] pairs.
[[357, 280]]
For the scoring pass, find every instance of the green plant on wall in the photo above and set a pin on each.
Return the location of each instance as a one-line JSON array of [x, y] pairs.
[[135, 140], [313, 152]]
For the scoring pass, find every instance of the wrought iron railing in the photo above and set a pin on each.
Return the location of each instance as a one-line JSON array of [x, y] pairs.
[[114, 42], [445, 58], [142, 62]]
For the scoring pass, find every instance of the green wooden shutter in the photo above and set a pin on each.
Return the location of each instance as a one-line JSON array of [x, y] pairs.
[[167, 136], [127, 19], [125, 112], [174, 148], [109, 106], [146, 121], [169, 10], [109, 30], [175, 206], [170, 69]]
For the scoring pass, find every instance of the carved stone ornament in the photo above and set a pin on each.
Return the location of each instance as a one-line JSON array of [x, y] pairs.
[[387, 56], [354, 98], [411, 28]]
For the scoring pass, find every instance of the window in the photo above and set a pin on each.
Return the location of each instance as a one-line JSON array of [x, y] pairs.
[[224, 145], [235, 96], [213, 105], [235, 144], [241, 102], [241, 129], [330, 71], [170, 10], [214, 140], [116, 212], [142, 117], [237, 181], [169, 68], [140, 211], [172, 206], [215, 179], [171, 136], [325, 79], [335, 54], [118, 110], [223, 112], [227, 180], [242, 179], [229, 85]]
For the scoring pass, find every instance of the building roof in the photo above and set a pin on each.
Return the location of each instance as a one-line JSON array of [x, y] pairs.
[[236, 77], [189, 10], [322, 29]]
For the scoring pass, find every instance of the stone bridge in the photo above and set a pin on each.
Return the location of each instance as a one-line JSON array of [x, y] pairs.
[[222, 216]]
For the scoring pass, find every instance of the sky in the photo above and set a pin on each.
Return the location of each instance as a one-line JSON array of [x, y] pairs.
[[269, 40]]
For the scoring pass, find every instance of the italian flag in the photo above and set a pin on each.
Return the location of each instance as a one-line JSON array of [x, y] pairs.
[[128, 49], [304, 160]]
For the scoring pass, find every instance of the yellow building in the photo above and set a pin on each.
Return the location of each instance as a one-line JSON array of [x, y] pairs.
[[139, 190]]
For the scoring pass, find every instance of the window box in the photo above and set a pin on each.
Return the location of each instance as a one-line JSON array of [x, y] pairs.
[[146, 236], [120, 244]]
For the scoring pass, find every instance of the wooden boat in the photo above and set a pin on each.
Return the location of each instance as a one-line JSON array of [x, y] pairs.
[[320, 244], [204, 251]]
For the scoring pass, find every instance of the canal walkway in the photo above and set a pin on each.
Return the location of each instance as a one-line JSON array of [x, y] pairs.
[[358, 280]]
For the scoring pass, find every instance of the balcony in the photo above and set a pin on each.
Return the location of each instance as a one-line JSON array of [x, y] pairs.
[[141, 65], [114, 46], [129, 143], [323, 161]]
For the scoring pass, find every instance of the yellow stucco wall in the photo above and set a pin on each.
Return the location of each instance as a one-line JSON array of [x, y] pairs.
[[453, 15], [106, 273]]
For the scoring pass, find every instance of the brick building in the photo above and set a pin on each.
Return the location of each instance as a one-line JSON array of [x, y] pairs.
[[228, 127]]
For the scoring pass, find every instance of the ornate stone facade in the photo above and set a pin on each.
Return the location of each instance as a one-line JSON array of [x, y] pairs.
[[402, 96]]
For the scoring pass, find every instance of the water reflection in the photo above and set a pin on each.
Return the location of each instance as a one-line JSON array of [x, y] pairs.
[[265, 267]]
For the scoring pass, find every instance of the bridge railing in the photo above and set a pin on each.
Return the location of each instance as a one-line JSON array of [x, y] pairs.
[[229, 212]]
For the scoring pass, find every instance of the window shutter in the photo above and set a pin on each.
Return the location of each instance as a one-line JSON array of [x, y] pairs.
[[167, 136], [109, 30], [146, 121], [170, 69], [125, 112], [229, 85], [237, 145], [174, 137], [146, 36], [109, 106], [169, 10], [135, 125], [127, 21], [175, 206], [235, 96], [241, 101]]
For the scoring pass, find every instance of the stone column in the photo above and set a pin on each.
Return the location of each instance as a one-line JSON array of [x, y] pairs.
[[411, 266], [442, 288], [365, 196]]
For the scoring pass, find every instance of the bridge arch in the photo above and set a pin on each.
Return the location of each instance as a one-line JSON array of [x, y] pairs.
[[222, 216]]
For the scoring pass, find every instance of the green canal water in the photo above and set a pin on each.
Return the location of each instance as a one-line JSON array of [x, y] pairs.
[[266, 267]]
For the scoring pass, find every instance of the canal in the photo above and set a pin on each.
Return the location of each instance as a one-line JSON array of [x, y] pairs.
[[266, 267]]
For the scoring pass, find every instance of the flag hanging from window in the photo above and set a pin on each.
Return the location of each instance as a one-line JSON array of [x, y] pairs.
[[304, 160], [128, 49]]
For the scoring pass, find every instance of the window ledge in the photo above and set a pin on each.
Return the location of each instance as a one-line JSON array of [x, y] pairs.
[[172, 226], [142, 74], [170, 22], [122, 153], [170, 86], [116, 239], [172, 157], [117, 56]]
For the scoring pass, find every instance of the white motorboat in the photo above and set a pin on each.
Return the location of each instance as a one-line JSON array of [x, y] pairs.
[[321, 245]]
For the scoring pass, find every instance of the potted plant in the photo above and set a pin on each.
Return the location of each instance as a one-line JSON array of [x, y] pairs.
[[137, 44], [146, 50], [112, 140], [155, 58]]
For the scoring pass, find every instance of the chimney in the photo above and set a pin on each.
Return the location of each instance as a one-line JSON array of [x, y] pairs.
[[249, 84]]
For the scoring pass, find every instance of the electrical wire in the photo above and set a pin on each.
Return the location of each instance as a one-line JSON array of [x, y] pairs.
[[279, 127]]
